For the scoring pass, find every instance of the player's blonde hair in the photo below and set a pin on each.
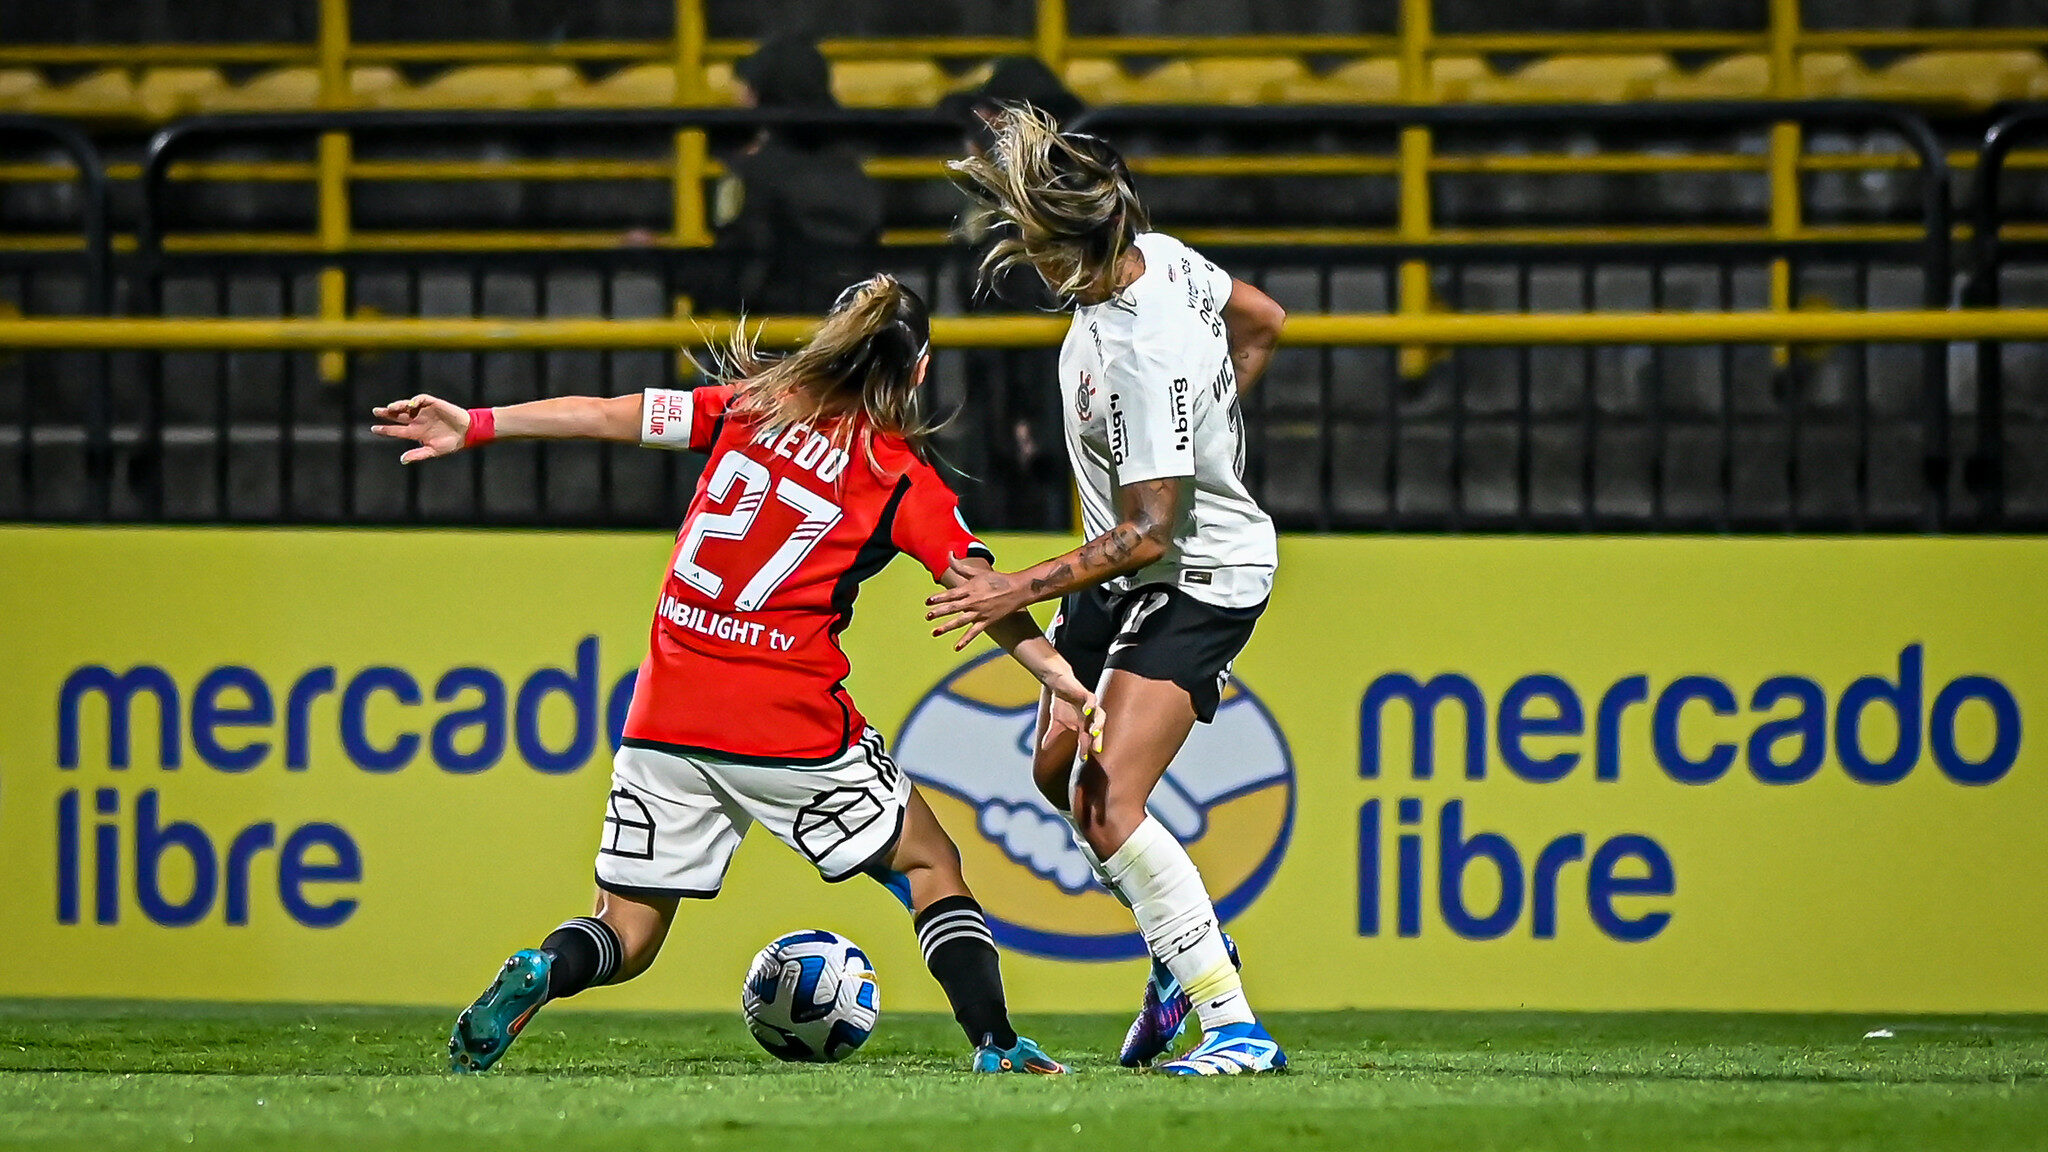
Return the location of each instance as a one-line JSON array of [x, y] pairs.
[[1064, 201], [856, 376]]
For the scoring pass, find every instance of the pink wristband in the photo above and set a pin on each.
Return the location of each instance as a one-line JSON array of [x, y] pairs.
[[483, 427]]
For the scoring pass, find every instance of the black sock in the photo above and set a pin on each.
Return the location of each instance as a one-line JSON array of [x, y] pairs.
[[586, 952], [962, 956]]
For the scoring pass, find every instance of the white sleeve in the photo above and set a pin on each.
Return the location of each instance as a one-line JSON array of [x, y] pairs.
[[1151, 404]]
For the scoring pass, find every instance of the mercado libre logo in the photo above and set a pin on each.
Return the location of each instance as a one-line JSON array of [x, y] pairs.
[[1228, 796]]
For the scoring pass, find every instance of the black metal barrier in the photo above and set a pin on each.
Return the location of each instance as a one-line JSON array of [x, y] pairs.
[[1615, 438], [1985, 473], [74, 403], [1624, 438], [94, 255], [1934, 248]]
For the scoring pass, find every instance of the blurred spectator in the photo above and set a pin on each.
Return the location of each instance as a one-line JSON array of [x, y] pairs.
[[1014, 80], [795, 209]]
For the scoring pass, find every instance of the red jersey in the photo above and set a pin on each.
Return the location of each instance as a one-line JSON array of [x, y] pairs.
[[744, 658]]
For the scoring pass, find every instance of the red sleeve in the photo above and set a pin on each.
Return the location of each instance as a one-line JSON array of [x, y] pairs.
[[684, 418], [928, 523]]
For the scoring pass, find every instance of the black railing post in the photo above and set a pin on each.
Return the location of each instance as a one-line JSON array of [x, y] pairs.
[[1937, 287], [97, 256], [1984, 471]]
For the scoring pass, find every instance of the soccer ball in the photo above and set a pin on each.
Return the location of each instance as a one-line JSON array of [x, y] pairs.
[[811, 996]]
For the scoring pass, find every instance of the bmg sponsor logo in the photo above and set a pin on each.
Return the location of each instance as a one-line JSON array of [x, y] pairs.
[[1228, 796]]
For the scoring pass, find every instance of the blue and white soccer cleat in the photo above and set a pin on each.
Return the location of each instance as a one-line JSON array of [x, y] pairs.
[[487, 1028], [1165, 1012], [1023, 1056], [1232, 1050]]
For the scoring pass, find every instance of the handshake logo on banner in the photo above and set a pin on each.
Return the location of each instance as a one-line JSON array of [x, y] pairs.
[[1228, 796]]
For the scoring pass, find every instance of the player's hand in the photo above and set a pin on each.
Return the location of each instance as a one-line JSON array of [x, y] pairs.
[[1074, 706], [979, 600], [437, 426]]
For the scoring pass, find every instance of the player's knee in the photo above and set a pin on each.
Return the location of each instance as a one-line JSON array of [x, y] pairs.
[[1103, 816], [1106, 832]]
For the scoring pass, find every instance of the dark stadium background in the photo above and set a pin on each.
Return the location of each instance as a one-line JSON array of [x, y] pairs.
[[1822, 478], [1525, 210]]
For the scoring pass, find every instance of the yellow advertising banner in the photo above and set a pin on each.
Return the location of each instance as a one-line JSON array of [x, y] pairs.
[[364, 766]]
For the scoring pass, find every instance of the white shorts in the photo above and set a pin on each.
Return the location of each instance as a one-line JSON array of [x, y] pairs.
[[675, 819]]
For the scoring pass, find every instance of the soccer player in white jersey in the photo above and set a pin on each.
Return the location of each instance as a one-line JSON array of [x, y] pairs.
[[1179, 560]]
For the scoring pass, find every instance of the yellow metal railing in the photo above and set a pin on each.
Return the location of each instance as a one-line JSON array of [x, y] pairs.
[[1038, 331], [1414, 48], [934, 167]]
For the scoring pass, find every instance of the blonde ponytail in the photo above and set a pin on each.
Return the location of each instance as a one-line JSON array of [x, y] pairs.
[[1066, 201], [856, 376]]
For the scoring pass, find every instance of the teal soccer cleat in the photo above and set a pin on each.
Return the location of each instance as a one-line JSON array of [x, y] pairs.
[[487, 1028], [1232, 1050], [1023, 1056]]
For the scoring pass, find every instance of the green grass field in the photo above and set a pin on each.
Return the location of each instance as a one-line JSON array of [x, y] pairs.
[[134, 1075]]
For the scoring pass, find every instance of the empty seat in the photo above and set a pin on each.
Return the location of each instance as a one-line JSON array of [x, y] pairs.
[[635, 86], [1173, 82], [278, 90], [1744, 76], [888, 83], [1245, 79], [651, 86], [298, 89], [1452, 77], [370, 84], [1375, 80], [1825, 75], [167, 93], [721, 86], [1576, 79], [1977, 78], [1095, 80], [109, 92], [15, 86], [489, 86], [1104, 81]]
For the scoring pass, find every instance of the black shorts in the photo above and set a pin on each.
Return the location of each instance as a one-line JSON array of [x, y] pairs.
[[1156, 631]]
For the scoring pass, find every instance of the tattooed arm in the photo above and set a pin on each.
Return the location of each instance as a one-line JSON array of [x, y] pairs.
[[1253, 321], [983, 597]]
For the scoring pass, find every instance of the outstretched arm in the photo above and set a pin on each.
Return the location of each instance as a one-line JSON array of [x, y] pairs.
[[442, 429], [1149, 509], [1253, 321], [1019, 634]]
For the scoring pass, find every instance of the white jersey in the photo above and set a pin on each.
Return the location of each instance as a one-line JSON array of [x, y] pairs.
[[1153, 395]]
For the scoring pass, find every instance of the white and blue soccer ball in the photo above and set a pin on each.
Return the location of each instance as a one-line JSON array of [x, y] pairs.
[[811, 996]]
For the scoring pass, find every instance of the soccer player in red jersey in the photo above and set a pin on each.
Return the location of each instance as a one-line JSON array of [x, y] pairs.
[[816, 479]]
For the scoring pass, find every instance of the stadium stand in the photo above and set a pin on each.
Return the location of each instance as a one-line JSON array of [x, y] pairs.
[[1536, 213]]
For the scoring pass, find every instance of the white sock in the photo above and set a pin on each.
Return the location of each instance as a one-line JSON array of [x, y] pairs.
[[1165, 893], [1094, 861]]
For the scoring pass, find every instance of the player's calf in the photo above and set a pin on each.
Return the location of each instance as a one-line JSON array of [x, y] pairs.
[[923, 869]]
